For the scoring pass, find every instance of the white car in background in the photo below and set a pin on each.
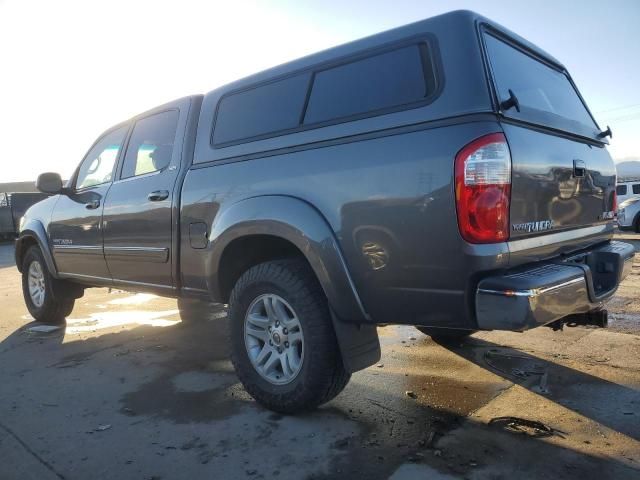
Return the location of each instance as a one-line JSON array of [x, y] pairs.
[[629, 214], [627, 190]]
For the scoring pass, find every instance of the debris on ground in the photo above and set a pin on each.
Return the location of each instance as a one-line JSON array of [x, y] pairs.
[[542, 387], [532, 428], [411, 394], [102, 428], [493, 356]]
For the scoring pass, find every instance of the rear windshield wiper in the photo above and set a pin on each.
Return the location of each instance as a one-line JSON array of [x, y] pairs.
[[510, 102], [606, 133]]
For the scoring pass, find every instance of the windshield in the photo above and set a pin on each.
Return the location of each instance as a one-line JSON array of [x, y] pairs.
[[538, 87]]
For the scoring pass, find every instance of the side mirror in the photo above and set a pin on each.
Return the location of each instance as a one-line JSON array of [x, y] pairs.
[[50, 183]]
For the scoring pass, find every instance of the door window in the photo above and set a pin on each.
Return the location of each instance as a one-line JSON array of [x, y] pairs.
[[97, 167], [636, 188], [151, 144], [621, 190]]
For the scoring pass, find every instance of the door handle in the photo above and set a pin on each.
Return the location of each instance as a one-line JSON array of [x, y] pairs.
[[92, 205], [158, 195]]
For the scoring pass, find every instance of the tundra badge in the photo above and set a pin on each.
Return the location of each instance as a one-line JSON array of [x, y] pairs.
[[529, 227]]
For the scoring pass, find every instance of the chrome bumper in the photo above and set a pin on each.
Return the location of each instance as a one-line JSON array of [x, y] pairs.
[[538, 295]]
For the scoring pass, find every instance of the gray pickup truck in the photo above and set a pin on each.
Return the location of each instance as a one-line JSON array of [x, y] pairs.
[[446, 174]]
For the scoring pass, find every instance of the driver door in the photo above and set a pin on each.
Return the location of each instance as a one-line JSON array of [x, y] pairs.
[[75, 228]]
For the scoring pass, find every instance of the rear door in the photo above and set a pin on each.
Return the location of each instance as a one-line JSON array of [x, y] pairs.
[[139, 210], [562, 175]]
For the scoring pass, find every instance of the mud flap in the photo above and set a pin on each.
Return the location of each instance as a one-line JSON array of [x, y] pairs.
[[358, 342], [63, 289]]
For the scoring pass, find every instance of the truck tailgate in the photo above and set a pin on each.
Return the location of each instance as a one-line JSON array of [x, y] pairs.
[[557, 183]]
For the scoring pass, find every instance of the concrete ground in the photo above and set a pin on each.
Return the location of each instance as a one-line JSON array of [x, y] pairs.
[[126, 390]]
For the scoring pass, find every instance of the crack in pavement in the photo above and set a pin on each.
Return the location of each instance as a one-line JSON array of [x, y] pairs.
[[28, 449]]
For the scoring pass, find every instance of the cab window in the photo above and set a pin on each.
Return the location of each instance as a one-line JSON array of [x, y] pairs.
[[97, 167], [151, 145]]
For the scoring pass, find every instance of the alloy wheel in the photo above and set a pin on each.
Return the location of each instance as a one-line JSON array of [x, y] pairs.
[[274, 340], [37, 286]]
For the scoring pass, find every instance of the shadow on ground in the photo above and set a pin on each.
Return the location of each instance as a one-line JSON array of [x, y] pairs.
[[558, 383], [164, 402]]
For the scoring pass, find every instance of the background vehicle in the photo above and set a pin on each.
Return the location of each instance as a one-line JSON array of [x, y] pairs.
[[629, 214], [446, 174], [628, 189], [12, 208]]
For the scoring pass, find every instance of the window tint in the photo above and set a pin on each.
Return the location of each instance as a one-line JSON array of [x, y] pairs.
[[535, 84], [636, 188], [375, 83], [621, 190], [97, 167], [151, 144], [261, 110]]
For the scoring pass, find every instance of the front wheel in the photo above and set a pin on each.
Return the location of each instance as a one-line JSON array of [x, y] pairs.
[[283, 345], [37, 289]]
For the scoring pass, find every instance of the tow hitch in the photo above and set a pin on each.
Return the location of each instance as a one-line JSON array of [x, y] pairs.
[[597, 318]]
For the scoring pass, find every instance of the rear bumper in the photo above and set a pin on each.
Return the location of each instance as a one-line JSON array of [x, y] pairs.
[[540, 294]]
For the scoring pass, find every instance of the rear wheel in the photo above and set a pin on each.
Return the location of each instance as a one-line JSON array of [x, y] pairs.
[[283, 345], [38, 290], [446, 335]]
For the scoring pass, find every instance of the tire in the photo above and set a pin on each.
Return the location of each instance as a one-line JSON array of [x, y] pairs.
[[446, 335], [193, 310], [43, 306], [308, 371]]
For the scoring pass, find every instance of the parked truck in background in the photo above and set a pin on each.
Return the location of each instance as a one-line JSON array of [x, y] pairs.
[[13, 206], [446, 174]]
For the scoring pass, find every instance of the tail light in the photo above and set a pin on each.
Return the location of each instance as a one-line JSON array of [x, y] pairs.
[[614, 207], [483, 189]]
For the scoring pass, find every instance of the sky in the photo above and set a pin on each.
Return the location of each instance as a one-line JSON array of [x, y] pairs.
[[71, 69]]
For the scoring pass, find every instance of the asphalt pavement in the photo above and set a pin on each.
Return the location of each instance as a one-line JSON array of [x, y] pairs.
[[126, 390]]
